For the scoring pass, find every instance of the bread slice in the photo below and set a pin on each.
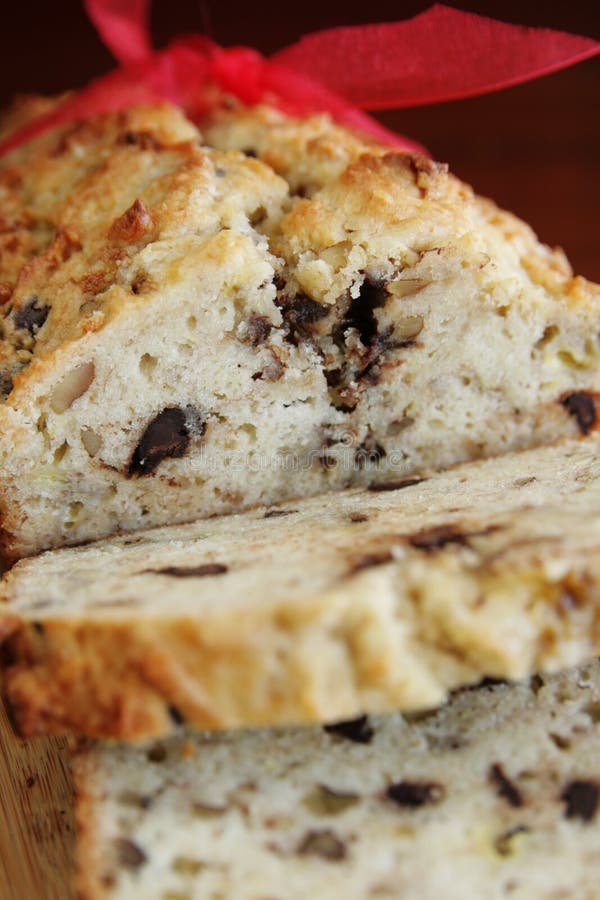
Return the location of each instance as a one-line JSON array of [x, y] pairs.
[[364, 601], [493, 796], [184, 335]]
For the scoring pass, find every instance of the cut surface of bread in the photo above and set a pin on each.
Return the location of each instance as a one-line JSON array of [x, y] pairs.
[[184, 333], [362, 601], [493, 796]]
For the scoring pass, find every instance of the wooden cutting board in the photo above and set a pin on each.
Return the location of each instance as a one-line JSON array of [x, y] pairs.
[[36, 817]]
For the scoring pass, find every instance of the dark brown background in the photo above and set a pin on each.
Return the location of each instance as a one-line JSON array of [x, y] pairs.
[[534, 148]]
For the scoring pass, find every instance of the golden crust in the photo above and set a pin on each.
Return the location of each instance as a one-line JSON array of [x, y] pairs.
[[91, 881], [41, 222], [307, 153], [311, 154]]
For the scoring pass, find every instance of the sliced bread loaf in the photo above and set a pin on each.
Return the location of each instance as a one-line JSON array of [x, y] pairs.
[[493, 796], [365, 601], [183, 336]]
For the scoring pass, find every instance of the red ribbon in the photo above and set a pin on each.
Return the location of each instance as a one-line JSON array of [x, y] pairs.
[[124, 26], [441, 54]]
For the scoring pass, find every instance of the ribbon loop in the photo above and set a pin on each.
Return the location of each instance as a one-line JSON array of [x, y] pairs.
[[124, 26], [440, 54]]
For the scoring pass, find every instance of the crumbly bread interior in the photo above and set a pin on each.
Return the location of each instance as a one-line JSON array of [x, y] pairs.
[[184, 335], [493, 796], [366, 601]]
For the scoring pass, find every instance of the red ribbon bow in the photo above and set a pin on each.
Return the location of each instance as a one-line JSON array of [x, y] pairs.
[[441, 54]]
